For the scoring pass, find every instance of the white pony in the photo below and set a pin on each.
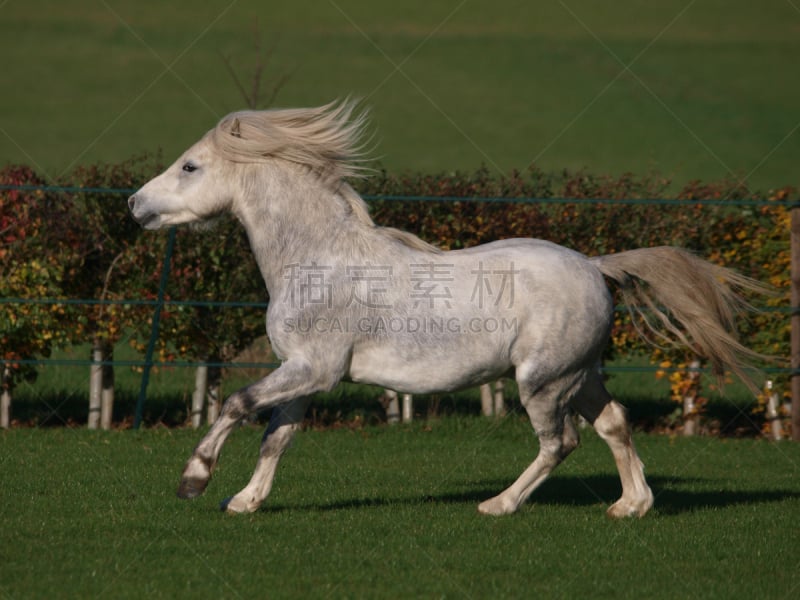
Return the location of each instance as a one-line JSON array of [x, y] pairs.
[[352, 300]]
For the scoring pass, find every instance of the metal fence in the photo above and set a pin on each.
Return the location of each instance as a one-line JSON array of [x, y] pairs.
[[147, 362]]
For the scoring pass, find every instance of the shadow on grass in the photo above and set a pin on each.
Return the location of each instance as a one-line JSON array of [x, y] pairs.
[[57, 408], [64, 408], [673, 495]]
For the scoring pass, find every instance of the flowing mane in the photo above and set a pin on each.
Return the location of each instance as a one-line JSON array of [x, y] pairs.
[[327, 139], [360, 211]]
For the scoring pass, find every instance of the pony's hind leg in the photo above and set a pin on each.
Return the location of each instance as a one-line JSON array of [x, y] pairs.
[[610, 420], [547, 410], [283, 423]]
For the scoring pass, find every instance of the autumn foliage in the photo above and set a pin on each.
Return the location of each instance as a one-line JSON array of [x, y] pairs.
[[32, 266], [83, 245]]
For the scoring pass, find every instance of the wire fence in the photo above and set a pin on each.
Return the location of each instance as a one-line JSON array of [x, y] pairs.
[[162, 303], [147, 362]]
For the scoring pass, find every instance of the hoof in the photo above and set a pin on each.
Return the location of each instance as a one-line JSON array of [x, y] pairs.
[[623, 509], [234, 506], [496, 507], [620, 510], [191, 487], [195, 478]]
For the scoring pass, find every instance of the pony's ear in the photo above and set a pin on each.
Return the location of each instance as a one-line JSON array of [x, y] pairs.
[[235, 128]]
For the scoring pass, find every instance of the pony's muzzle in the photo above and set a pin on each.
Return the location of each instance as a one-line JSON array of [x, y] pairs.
[[132, 207], [140, 214]]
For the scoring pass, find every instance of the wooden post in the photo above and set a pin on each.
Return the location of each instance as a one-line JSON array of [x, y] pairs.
[[772, 411], [5, 398], [487, 400], [795, 301], [199, 395], [691, 420], [96, 384], [107, 393], [499, 398], [408, 408]]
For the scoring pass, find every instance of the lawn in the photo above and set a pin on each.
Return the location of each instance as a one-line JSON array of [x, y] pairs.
[[690, 89], [391, 512], [702, 89]]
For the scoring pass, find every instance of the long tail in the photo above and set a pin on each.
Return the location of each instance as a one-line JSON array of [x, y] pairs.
[[686, 300]]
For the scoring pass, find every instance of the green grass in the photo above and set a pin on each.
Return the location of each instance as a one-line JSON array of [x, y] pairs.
[[390, 512], [711, 87]]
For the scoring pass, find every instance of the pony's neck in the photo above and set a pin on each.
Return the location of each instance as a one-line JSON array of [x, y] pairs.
[[299, 220]]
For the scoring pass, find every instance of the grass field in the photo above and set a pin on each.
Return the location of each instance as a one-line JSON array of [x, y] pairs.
[[391, 512], [687, 88]]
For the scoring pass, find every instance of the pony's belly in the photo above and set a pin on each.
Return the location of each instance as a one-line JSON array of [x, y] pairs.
[[427, 372]]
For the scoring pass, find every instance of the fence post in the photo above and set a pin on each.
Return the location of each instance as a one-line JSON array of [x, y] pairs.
[[95, 385], [795, 301], [199, 395], [151, 345], [499, 398], [408, 408], [107, 384], [487, 400], [5, 398], [691, 418], [772, 411]]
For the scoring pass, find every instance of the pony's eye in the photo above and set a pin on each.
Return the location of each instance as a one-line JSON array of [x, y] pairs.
[[189, 167]]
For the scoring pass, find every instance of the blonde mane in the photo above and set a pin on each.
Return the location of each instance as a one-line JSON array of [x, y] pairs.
[[326, 139], [360, 211]]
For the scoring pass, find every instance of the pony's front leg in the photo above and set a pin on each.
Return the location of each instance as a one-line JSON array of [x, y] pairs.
[[283, 423], [292, 379]]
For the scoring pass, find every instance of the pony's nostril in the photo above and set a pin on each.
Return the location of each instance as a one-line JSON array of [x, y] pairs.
[[132, 202]]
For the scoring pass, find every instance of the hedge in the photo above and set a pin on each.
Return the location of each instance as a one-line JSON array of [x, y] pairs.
[[84, 245]]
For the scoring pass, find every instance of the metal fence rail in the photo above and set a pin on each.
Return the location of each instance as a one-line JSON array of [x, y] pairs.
[[158, 304]]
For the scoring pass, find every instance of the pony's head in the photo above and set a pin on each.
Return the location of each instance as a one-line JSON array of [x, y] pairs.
[[193, 188], [205, 181]]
